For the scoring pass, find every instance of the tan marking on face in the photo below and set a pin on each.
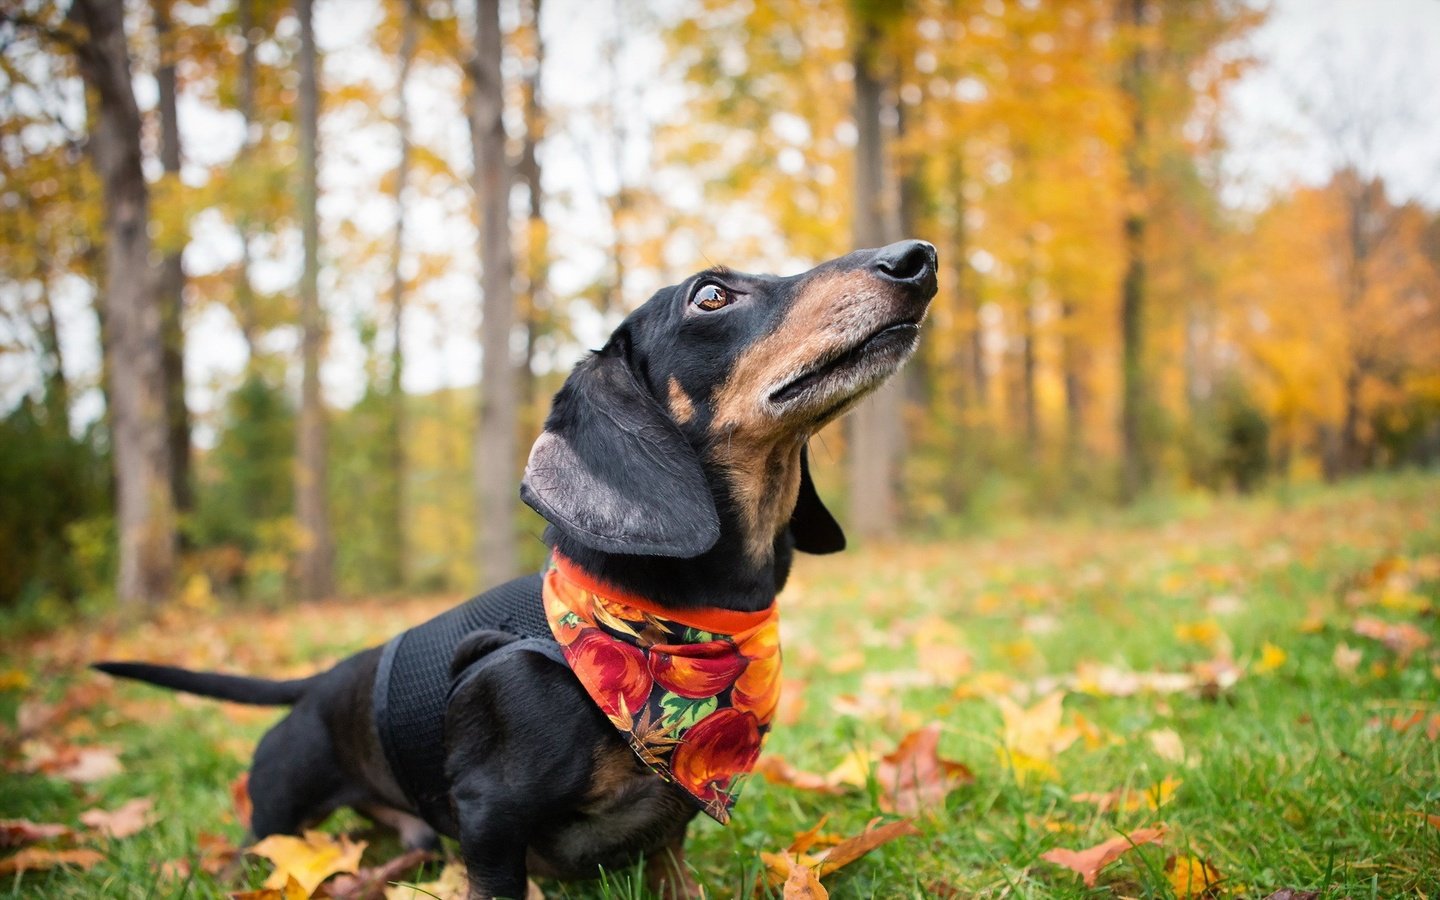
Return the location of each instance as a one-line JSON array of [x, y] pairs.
[[682, 409], [760, 453], [614, 771]]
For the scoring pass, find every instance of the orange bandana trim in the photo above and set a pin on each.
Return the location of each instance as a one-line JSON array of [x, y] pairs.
[[692, 691]]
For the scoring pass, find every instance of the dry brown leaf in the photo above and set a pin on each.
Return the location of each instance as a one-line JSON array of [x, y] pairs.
[[130, 818], [78, 765], [1433, 819], [810, 837], [19, 832], [34, 858], [851, 849], [240, 799], [1292, 894], [914, 776], [1402, 638], [369, 884], [803, 884], [777, 771], [309, 860], [1088, 862]]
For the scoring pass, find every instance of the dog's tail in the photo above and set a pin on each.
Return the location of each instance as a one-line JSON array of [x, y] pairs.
[[235, 688]]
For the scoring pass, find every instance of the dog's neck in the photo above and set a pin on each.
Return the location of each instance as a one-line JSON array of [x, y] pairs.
[[744, 571]]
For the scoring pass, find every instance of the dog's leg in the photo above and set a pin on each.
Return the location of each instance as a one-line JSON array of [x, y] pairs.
[[294, 779], [414, 833], [493, 837], [667, 876]]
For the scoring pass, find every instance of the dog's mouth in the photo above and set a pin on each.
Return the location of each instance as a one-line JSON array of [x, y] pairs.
[[853, 370]]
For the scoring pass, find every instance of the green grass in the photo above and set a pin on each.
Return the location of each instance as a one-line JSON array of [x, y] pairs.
[[1291, 778]]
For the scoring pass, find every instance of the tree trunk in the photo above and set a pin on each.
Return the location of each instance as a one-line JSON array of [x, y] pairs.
[[244, 289], [1135, 467], [394, 568], [876, 424], [171, 277], [495, 439], [1074, 383], [537, 262], [316, 561], [144, 502], [1029, 314]]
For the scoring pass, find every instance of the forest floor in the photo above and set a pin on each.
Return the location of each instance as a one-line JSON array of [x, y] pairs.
[[1241, 698]]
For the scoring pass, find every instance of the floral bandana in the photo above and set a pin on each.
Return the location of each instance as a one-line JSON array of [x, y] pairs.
[[692, 691]]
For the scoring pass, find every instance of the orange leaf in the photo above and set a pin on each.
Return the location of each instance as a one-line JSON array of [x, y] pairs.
[[804, 884], [851, 849], [308, 860], [32, 858], [914, 776], [806, 839], [291, 891], [1089, 862], [19, 832], [1402, 638], [130, 818], [240, 798]]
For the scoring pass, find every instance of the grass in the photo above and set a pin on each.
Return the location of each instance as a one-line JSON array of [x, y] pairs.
[[1300, 775]]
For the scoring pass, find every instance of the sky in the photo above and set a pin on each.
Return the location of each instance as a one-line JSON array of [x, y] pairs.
[[1334, 81]]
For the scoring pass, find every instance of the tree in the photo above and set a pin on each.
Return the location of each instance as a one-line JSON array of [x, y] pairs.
[[316, 560], [877, 424], [145, 504], [496, 425]]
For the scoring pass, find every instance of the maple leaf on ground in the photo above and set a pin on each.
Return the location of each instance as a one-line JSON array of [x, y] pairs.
[[240, 799], [801, 881], [1088, 862], [369, 884], [309, 860], [19, 832], [130, 818], [1191, 877], [1032, 738], [77, 765], [914, 776], [34, 858], [780, 866], [451, 885]]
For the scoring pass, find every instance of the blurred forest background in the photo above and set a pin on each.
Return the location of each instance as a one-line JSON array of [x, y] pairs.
[[285, 287]]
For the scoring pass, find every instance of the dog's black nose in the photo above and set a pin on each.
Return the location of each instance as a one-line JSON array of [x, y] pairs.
[[908, 262]]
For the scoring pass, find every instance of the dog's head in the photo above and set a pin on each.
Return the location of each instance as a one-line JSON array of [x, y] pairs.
[[692, 419]]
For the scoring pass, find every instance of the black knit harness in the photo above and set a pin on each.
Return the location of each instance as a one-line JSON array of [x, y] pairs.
[[413, 685]]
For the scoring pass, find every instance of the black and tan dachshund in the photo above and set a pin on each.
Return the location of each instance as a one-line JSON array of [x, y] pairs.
[[672, 467]]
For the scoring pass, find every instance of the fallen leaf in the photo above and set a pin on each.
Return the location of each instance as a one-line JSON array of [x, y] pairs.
[[451, 885], [809, 837], [1402, 638], [14, 680], [914, 776], [291, 891], [1131, 800], [1167, 744], [854, 769], [1292, 894], [1088, 863], [240, 799], [1207, 633], [803, 884], [1191, 877], [851, 849], [1271, 658], [130, 818], [1433, 819], [776, 770], [1032, 738], [78, 765], [309, 860], [369, 884], [19, 832], [34, 858], [1346, 659]]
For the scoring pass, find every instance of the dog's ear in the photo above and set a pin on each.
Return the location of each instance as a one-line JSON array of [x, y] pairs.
[[814, 528], [612, 472]]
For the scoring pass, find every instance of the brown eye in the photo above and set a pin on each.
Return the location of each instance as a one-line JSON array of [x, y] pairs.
[[711, 297]]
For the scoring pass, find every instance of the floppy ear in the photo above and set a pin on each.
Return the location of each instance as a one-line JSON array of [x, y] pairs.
[[814, 529], [611, 470]]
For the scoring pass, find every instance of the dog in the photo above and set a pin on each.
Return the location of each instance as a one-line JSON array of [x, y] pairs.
[[581, 717]]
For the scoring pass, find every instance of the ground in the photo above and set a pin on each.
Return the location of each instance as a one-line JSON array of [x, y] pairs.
[[1258, 676]]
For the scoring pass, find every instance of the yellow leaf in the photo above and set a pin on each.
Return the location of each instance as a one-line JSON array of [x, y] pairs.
[[1271, 658], [1032, 738], [1167, 744], [309, 860], [1191, 877], [291, 891], [14, 680]]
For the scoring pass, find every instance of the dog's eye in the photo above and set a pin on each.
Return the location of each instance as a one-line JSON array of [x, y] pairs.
[[711, 297]]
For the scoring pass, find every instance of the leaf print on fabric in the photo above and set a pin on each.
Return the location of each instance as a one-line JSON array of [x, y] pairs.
[[683, 712]]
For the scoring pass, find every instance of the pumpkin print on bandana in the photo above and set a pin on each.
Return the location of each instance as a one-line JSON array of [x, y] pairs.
[[692, 691]]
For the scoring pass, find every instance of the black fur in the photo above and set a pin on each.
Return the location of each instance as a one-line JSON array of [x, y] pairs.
[[541, 783]]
